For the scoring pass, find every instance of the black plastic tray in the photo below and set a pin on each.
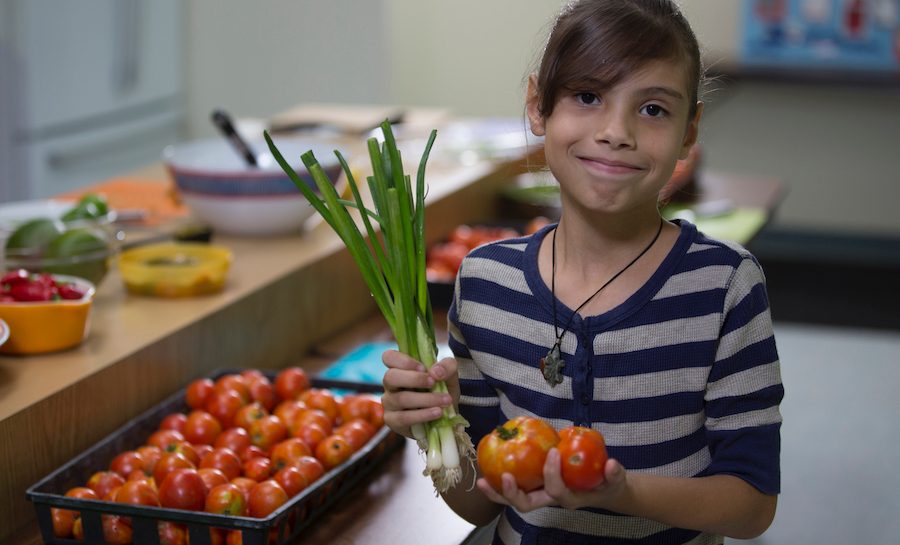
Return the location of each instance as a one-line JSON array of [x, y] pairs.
[[286, 523]]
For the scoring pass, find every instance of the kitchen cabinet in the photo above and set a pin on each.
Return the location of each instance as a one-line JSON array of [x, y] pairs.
[[88, 89]]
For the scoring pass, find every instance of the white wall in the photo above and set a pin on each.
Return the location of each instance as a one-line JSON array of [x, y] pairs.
[[834, 147]]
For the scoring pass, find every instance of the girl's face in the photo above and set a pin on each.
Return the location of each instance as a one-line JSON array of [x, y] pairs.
[[612, 150]]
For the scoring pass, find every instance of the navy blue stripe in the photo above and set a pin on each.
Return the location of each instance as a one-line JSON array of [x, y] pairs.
[[659, 454], [757, 401], [482, 420], [660, 358], [752, 355], [748, 308], [648, 409], [688, 305], [552, 536], [751, 454]]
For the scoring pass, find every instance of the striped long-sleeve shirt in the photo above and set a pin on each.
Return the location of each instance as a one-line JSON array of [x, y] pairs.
[[682, 378]]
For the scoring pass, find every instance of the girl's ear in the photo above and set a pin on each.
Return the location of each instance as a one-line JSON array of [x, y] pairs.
[[532, 107], [692, 133]]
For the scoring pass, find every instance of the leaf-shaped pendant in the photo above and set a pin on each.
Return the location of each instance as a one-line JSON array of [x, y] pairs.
[[551, 366]]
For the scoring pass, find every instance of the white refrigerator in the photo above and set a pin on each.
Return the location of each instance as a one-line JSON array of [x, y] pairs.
[[88, 90]]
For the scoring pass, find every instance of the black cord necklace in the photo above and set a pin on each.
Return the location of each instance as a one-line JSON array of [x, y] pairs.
[[552, 363]]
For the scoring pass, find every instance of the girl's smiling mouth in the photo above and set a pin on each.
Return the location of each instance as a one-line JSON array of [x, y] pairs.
[[608, 166]]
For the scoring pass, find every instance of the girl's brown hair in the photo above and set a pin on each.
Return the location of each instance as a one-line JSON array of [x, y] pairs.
[[595, 43]]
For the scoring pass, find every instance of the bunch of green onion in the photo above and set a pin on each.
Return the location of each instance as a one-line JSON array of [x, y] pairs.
[[393, 267]]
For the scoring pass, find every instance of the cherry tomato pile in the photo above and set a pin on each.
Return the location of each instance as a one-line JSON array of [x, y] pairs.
[[520, 447], [244, 448], [21, 286], [444, 258]]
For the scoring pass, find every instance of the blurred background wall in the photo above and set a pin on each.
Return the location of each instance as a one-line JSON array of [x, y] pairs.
[[834, 145]]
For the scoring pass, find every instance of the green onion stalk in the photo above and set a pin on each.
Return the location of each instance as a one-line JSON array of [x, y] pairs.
[[393, 267]]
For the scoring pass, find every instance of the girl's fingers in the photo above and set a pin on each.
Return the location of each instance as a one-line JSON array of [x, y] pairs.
[[399, 360], [402, 379], [401, 421]]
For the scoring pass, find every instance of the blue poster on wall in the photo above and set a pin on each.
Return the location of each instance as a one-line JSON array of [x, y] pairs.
[[822, 34]]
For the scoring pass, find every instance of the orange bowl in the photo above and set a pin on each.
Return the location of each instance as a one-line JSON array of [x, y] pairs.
[[47, 326]]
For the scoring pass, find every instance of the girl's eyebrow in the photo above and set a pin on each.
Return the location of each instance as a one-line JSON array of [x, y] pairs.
[[661, 90]]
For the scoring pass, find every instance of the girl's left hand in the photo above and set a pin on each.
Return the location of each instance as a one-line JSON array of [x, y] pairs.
[[555, 491]]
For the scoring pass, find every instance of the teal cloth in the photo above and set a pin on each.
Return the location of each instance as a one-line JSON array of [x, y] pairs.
[[363, 364]]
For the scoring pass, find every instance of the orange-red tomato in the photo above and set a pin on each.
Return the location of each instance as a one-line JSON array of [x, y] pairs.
[[169, 462], [356, 432], [151, 456], [322, 400], [288, 409], [518, 447], [234, 382], [267, 431], [291, 480], [183, 489], [225, 460], [258, 469], [583, 456], [102, 482], [312, 434], [64, 519], [252, 451], [172, 533], [226, 499], [186, 449], [311, 468], [262, 391], [117, 530], [224, 405], [333, 451], [137, 493], [212, 477], [265, 497], [126, 462], [311, 416], [285, 453], [161, 439], [290, 382], [248, 413], [361, 407], [245, 484], [201, 428], [235, 439], [198, 391], [173, 421]]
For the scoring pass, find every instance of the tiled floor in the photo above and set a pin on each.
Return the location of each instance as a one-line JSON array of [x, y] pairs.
[[840, 437]]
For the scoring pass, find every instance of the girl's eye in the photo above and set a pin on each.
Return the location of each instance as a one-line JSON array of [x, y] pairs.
[[587, 98], [654, 110]]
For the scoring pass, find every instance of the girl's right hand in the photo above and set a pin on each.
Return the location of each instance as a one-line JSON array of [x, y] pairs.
[[407, 398]]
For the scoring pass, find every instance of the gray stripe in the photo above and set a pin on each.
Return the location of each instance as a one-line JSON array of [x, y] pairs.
[[513, 325], [757, 329], [700, 280], [649, 432], [522, 376], [594, 524], [506, 532], [497, 273], [686, 467], [762, 417], [660, 334], [658, 383]]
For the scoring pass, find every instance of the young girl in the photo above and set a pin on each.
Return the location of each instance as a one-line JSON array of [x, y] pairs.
[[647, 330]]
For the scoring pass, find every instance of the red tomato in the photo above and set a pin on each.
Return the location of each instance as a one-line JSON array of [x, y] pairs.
[[258, 469], [267, 431], [212, 477], [333, 451], [174, 421], [322, 400], [518, 447], [226, 499], [63, 520], [137, 493], [163, 438], [183, 489], [224, 405], [234, 383], [201, 427], [248, 413], [172, 533], [312, 416], [310, 433], [291, 480], [356, 432], [117, 530], [252, 374], [290, 382], [265, 497], [225, 460], [245, 484], [102, 482], [311, 468], [126, 462], [252, 451], [583, 457], [359, 407], [151, 456], [198, 392], [235, 439], [285, 453], [169, 462], [262, 391]]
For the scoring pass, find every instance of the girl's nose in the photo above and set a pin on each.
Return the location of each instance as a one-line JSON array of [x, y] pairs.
[[615, 130]]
